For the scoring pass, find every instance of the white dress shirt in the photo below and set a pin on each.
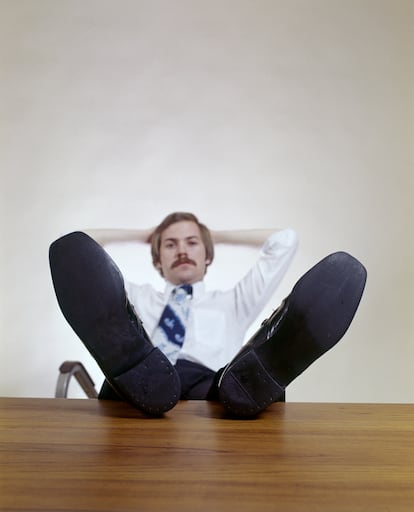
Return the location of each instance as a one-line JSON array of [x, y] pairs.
[[218, 320]]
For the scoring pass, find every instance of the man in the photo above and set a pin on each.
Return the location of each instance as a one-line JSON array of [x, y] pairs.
[[194, 350]]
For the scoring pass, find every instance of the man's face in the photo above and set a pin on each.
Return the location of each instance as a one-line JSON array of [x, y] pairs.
[[182, 253]]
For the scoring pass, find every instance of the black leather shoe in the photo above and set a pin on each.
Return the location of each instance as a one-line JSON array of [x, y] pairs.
[[311, 320], [90, 292]]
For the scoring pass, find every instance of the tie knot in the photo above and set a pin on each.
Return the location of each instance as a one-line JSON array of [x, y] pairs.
[[182, 292], [187, 288]]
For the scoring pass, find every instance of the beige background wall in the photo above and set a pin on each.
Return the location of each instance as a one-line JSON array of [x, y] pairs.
[[249, 113]]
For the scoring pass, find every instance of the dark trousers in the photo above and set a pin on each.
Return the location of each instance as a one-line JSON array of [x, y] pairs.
[[197, 383]]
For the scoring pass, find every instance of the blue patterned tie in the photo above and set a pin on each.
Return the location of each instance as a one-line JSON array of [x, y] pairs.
[[170, 333]]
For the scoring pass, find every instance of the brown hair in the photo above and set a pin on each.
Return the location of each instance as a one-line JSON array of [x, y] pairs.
[[172, 219]]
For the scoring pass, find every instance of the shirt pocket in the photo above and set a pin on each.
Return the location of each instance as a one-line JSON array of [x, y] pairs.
[[208, 342]]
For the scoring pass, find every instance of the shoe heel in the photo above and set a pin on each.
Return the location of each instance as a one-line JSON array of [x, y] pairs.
[[153, 385], [248, 378]]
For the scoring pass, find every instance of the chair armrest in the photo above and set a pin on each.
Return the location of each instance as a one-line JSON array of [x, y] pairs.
[[74, 368]]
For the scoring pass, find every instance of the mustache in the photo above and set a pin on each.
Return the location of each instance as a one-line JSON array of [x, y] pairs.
[[182, 260]]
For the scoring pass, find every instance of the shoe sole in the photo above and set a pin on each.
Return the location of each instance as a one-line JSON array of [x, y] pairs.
[[90, 291], [315, 317]]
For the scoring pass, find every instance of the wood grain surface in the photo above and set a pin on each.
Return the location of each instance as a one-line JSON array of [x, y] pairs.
[[89, 455]]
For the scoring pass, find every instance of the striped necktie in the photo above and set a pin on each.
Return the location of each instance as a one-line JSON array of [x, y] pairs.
[[170, 333]]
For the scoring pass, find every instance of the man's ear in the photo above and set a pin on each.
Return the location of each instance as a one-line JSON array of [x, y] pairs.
[[157, 265], [208, 262]]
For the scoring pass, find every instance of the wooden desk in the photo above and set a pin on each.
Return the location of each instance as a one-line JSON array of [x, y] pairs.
[[58, 454]]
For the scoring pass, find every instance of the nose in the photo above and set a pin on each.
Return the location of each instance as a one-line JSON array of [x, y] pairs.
[[181, 248]]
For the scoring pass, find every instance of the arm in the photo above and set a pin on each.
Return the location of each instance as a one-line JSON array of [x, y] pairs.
[[259, 284], [107, 236], [249, 237]]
